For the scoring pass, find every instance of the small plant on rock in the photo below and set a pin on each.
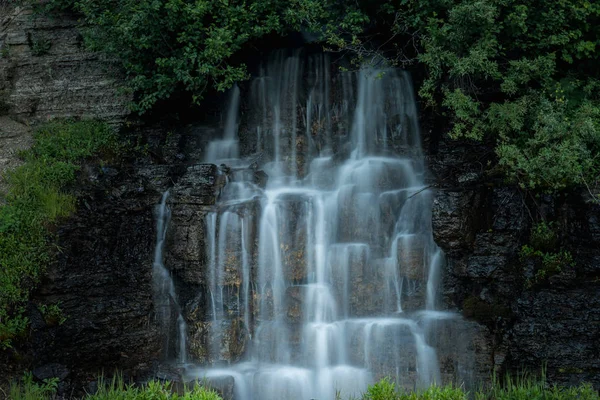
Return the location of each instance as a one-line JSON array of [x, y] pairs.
[[542, 251], [53, 314], [39, 45]]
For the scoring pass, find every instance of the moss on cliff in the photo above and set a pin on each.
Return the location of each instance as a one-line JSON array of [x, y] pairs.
[[37, 198]]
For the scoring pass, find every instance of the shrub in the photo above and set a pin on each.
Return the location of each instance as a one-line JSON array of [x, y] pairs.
[[543, 236], [526, 388], [39, 46]]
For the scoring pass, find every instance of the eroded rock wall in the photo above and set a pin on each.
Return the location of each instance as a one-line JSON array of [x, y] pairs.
[[46, 73], [481, 223]]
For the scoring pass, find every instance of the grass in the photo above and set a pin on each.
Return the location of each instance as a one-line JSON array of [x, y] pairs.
[[27, 389], [522, 388], [36, 199], [116, 389], [153, 390]]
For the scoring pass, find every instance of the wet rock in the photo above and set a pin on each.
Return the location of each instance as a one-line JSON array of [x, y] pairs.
[[411, 257], [468, 178], [200, 185], [185, 250], [358, 221], [510, 214], [107, 249], [484, 266], [454, 219], [296, 297], [466, 360], [218, 341], [224, 385], [558, 326], [53, 370], [390, 204]]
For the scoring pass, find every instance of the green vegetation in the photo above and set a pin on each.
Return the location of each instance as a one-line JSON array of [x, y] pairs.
[[521, 74], [36, 199], [170, 47], [39, 46], [53, 314], [27, 389], [542, 250], [5, 52], [153, 390], [511, 389]]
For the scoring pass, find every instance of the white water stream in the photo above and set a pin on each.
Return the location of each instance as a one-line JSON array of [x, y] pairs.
[[343, 238]]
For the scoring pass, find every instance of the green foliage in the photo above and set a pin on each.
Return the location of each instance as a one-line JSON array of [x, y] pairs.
[[522, 74], [52, 313], [27, 389], [153, 390], [542, 250], [35, 200], [520, 388], [174, 46], [543, 236], [39, 45], [4, 52], [518, 71], [385, 389], [525, 388]]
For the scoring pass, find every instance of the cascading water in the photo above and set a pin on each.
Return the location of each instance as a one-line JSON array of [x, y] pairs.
[[165, 297], [334, 280], [227, 149]]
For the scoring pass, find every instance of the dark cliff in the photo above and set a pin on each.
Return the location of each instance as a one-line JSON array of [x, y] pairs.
[[482, 224]]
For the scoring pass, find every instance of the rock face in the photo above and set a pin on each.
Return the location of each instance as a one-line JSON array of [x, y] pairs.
[[103, 284], [46, 73], [481, 224]]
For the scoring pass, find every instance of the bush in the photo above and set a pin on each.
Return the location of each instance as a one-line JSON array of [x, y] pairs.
[[170, 47], [36, 199]]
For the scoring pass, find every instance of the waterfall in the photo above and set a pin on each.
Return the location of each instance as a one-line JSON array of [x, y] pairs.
[[166, 306], [333, 282], [227, 149]]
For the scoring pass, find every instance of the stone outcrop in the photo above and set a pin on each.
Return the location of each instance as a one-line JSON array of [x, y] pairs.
[[102, 282], [481, 223], [45, 72]]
